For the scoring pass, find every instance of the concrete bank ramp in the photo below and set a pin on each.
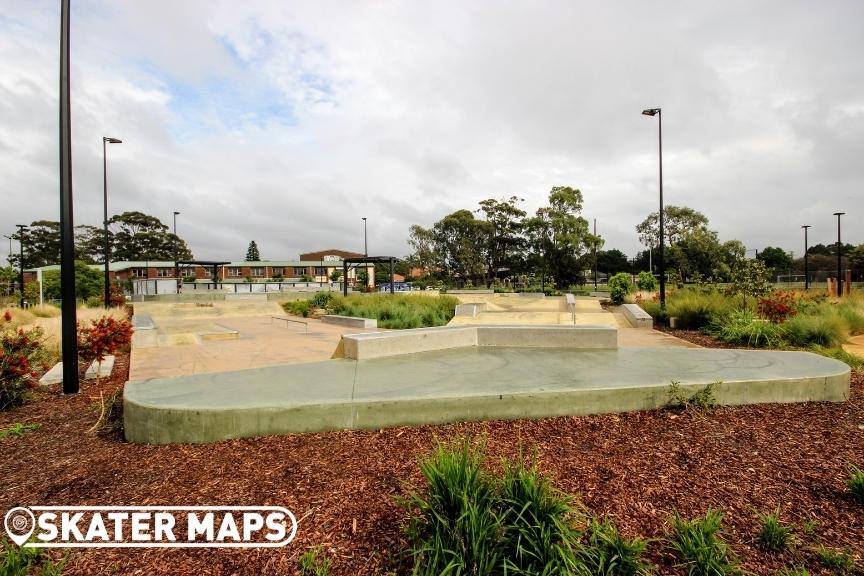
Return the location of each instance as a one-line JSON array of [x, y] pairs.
[[468, 382]]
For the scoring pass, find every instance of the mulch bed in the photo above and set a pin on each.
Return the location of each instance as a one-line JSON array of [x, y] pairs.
[[636, 468]]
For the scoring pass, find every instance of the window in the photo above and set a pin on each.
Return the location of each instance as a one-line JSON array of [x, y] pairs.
[[235, 272], [138, 272], [206, 272], [257, 272], [278, 271], [299, 271], [320, 271], [164, 272]]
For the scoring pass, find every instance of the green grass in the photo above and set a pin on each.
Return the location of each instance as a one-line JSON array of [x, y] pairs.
[[314, 562], [693, 308], [855, 483], [743, 327], [841, 562], [18, 561], [774, 535], [398, 311], [808, 527], [699, 546], [17, 430], [795, 571], [825, 329], [703, 399], [607, 553]]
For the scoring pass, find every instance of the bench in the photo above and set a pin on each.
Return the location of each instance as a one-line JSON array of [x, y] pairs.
[[295, 320], [636, 316]]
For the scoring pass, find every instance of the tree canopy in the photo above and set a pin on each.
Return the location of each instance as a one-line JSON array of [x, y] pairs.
[[252, 254]]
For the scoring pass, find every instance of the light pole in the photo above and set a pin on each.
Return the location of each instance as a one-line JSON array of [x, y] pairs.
[[806, 263], [21, 228], [176, 266], [656, 112], [365, 243], [595, 255], [839, 256], [105, 141]]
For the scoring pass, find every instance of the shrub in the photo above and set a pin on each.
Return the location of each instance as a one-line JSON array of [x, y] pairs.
[[698, 544], [610, 554], [840, 562], [19, 351], [398, 311], [19, 561], [749, 280], [819, 330], [855, 483], [694, 309], [777, 307], [774, 535], [620, 285], [742, 327], [314, 562], [703, 399], [103, 337], [298, 307], [646, 281], [322, 299]]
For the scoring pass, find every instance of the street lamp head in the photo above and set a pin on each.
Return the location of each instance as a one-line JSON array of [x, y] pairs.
[[839, 213], [807, 226], [651, 111], [112, 140], [176, 213], [364, 218]]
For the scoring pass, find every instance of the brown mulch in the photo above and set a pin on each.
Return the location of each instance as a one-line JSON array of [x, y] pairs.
[[636, 468], [699, 338]]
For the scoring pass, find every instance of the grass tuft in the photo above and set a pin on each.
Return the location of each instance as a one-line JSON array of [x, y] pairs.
[[774, 535], [698, 544], [17, 430], [610, 554], [701, 400], [855, 483], [839, 562], [315, 562]]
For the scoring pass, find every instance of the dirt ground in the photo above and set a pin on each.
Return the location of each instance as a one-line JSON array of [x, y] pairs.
[[636, 468]]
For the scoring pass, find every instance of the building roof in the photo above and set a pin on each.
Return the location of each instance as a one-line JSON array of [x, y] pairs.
[[125, 264]]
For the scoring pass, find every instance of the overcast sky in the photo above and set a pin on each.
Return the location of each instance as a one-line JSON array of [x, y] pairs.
[[286, 121]]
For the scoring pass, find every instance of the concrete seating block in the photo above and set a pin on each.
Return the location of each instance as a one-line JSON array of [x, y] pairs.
[[350, 321], [636, 316]]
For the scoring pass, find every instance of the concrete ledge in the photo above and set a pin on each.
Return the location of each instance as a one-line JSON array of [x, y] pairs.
[[636, 316], [350, 321], [549, 336], [460, 385], [484, 291], [399, 342]]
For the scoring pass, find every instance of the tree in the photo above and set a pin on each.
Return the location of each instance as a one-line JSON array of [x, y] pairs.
[[612, 261], [90, 244], [88, 282], [138, 236], [506, 242], [855, 258], [41, 244], [252, 254], [461, 243], [677, 222], [775, 259], [749, 278]]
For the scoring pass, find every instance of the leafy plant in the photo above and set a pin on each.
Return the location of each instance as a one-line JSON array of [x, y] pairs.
[[808, 527], [742, 327], [19, 561], [702, 399], [620, 285], [19, 351], [699, 545], [749, 279], [855, 483], [777, 307], [314, 562], [607, 553], [17, 430], [322, 299], [103, 337], [298, 307], [774, 535], [646, 281], [840, 562]]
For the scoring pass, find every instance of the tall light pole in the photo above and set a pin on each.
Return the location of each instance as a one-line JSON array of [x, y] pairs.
[[21, 228], [176, 266], [105, 141], [69, 326], [365, 243], [595, 255], [806, 263], [656, 112], [839, 256]]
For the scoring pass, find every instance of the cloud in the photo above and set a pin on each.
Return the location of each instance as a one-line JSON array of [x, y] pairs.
[[286, 122]]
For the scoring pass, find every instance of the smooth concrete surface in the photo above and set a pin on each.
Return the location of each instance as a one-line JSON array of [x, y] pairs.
[[637, 317], [470, 310], [350, 321], [398, 342], [99, 371], [474, 383], [855, 346]]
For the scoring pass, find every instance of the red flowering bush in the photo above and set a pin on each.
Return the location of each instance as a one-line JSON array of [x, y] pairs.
[[103, 337], [18, 353], [778, 306], [116, 296]]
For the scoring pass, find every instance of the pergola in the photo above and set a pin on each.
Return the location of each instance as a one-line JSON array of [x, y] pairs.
[[367, 260], [211, 263]]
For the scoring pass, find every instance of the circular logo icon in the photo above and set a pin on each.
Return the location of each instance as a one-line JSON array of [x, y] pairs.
[[19, 524]]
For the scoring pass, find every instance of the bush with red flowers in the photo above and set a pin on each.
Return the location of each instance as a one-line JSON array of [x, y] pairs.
[[103, 337], [19, 351], [778, 306]]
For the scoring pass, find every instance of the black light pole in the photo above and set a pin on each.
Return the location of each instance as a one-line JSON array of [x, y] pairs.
[[656, 112], [67, 230], [595, 255], [806, 263], [176, 266], [21, 228], [105, 141], [365, 243], [839, 256]]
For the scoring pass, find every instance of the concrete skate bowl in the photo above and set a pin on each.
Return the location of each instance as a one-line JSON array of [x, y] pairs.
[[464, 373]]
